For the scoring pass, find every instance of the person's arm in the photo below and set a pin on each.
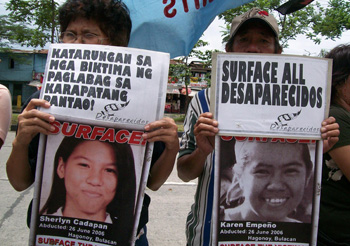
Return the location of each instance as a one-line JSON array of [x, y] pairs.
[[330, 133], [30, 122], [164, 130], [191, 166], [6, 111], [341, 156]]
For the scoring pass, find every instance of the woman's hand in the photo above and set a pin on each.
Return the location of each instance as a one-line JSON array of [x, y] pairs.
[[32, 121], [164, 130]]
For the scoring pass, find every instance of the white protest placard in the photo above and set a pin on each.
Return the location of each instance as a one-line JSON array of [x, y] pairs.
[[270, 95], [266, 191], [92, 169], [97, 83], [268, 156]]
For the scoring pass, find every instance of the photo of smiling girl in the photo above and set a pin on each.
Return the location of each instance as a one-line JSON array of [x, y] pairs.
[[94, 180], [269, 183]]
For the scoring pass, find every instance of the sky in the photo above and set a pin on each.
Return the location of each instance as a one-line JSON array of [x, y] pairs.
[[300, 46]]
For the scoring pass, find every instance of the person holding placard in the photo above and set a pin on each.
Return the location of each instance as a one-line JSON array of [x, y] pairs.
[[335, 190], [105, 22], [255, 31]]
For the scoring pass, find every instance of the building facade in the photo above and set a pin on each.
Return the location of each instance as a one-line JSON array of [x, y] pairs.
[[21, 71], [176, 99]]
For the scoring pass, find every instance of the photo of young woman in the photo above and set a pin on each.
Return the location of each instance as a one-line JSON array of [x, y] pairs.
[[93, 180]]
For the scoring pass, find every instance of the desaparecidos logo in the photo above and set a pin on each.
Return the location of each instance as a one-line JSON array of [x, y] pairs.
[[110, 114], [110, 109], [283, 120]]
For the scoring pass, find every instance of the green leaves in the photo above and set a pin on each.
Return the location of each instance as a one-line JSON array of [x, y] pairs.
[[333, 20], [29, 23], [315, 21], [180, 71]]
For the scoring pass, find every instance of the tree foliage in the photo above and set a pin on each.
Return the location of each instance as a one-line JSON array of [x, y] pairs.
[[180, 72], [5, 32], [198, 54], [315, 20], [333, 20], [29, 23]]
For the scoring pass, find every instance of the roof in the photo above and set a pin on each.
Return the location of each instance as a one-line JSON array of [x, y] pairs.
[[198, 66], [18, 51], [174, 61]]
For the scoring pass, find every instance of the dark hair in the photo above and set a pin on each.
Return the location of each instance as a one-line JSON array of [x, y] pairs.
[[303, 146], [112, 16], [307, 158], [341, 67], [121, 208], [229, 43]]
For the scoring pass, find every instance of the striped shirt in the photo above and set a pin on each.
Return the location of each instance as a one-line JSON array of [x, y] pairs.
[[198, 225]]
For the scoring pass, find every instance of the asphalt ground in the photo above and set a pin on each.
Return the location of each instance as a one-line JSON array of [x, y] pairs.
[[168, 209]]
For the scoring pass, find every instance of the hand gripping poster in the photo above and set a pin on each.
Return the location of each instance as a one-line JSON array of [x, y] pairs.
[[268, 153], [93, 167]]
